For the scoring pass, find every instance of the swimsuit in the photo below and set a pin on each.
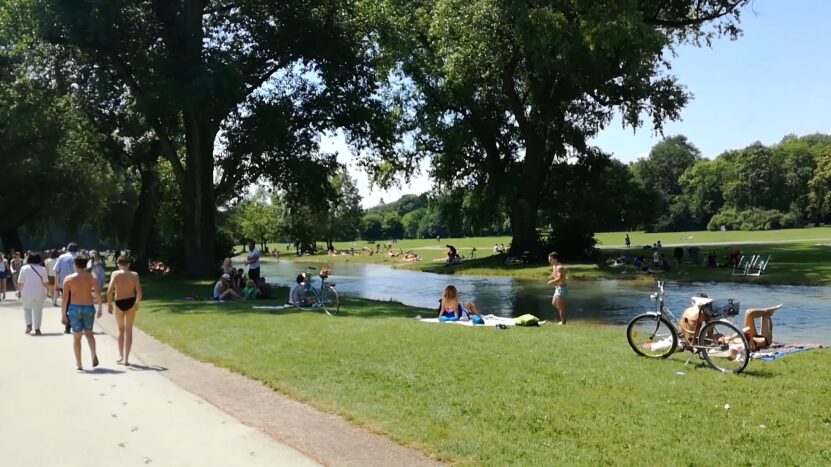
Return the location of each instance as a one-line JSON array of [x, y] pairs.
[[80, 317], [125, 304]]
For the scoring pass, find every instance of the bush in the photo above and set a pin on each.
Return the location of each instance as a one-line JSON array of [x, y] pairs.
[[753, 219]]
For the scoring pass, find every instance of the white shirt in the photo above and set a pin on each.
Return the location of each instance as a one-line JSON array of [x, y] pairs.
[[50, 266], [33, 278], [255, 253]]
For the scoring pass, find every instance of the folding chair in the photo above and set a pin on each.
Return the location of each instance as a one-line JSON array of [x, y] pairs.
[[759, 268], [738, 269]]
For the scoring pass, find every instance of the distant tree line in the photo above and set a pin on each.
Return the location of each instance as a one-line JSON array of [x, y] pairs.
[[756, 188]]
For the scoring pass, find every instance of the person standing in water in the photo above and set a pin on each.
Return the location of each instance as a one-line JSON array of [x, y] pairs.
[[559, 279], [125, 292], [81, 294]]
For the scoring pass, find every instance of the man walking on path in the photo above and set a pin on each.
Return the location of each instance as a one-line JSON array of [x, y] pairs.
[[64, 266], [78, 307], [125, 292], [559, 279], [253, 262]]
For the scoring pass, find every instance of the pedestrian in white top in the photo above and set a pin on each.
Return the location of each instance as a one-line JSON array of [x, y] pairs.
[[50, 273], [32, 291]]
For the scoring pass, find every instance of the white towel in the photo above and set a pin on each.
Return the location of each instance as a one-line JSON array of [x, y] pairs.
[[490, 320]]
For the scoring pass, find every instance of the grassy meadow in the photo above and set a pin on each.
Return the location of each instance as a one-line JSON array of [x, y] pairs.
[[554, 395]]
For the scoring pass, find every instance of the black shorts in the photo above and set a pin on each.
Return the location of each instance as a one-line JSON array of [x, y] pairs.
[[254, 274]]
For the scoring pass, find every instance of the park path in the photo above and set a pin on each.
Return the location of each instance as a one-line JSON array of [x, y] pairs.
[[166, 409], [51, 414]]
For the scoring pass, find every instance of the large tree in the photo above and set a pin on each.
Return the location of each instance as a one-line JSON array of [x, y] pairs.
[[503, 91], [195, 67]]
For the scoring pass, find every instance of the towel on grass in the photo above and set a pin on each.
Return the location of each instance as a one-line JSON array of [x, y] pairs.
[[272, 307], [490, 321], [778, 350]]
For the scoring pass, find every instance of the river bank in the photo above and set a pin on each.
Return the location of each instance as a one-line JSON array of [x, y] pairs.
[[791, 264]]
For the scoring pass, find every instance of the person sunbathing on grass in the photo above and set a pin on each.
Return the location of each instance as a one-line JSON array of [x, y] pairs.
[[756, 340], [451, 310]]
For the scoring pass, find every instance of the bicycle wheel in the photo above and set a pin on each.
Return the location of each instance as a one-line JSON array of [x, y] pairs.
[[330, 300], [311, 300], [724, 347], [652, 336]]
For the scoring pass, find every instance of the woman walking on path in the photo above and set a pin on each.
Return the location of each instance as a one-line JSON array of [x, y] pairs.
[[125, 292], [15, 265], [4, 275], [50, 273], [96, 266], [32, 291]]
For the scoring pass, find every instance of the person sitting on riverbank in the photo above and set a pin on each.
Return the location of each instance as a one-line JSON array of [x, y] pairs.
[[764, 339], [223, 289], [263, 288], [297, 296], [250, 292], [450, 309]]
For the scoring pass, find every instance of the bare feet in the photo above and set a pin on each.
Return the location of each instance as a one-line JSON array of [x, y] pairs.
[[79, 368], [94, 361], [120, 361]]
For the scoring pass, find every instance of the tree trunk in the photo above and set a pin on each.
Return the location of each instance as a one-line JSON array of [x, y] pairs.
[[144, 218], [198, 200], [525, 206], [11, 238]]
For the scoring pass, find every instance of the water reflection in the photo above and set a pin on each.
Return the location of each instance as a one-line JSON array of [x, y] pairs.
[[805, 318]]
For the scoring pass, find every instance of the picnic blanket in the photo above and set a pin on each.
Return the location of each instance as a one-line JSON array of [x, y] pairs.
[[490, 321], [778, 350], [272, 307]]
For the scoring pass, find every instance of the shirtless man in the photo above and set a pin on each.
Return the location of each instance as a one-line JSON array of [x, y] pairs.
[[125, 291], [559, 279], [81, 294]]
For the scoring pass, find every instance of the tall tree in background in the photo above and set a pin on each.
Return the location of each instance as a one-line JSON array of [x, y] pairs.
[[343, 212], [544, 76], [660, 172], [194, 66]]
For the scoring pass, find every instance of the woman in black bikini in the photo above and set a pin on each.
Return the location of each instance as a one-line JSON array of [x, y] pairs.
[[125, 292]]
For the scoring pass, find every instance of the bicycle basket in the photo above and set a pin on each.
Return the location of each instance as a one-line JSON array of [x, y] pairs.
[[725, 307]]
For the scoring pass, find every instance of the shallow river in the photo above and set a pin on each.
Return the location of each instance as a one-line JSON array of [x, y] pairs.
[[805, 317]]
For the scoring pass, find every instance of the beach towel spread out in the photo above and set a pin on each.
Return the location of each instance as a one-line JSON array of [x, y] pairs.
[[777, 350], [273, 307], [490, 321]]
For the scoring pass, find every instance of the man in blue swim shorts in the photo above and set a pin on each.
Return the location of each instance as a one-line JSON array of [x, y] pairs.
[[559, 279], [81, 293]]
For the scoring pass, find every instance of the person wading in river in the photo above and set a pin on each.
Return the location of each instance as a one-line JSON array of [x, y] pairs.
[[559, 279]]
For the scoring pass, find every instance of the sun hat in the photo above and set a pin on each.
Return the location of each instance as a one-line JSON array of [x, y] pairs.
[[227, 277]]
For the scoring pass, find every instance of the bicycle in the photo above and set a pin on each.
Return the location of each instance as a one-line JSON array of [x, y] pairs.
[[720, 343], [323, 298]]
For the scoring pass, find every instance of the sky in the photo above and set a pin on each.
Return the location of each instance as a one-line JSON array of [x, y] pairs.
[[772, 81]]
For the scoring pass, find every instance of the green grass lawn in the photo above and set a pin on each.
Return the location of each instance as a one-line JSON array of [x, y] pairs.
[[573, 395], [800, 257]]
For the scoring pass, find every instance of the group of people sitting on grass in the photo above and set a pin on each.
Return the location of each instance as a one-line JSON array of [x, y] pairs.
[[233, 284]]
